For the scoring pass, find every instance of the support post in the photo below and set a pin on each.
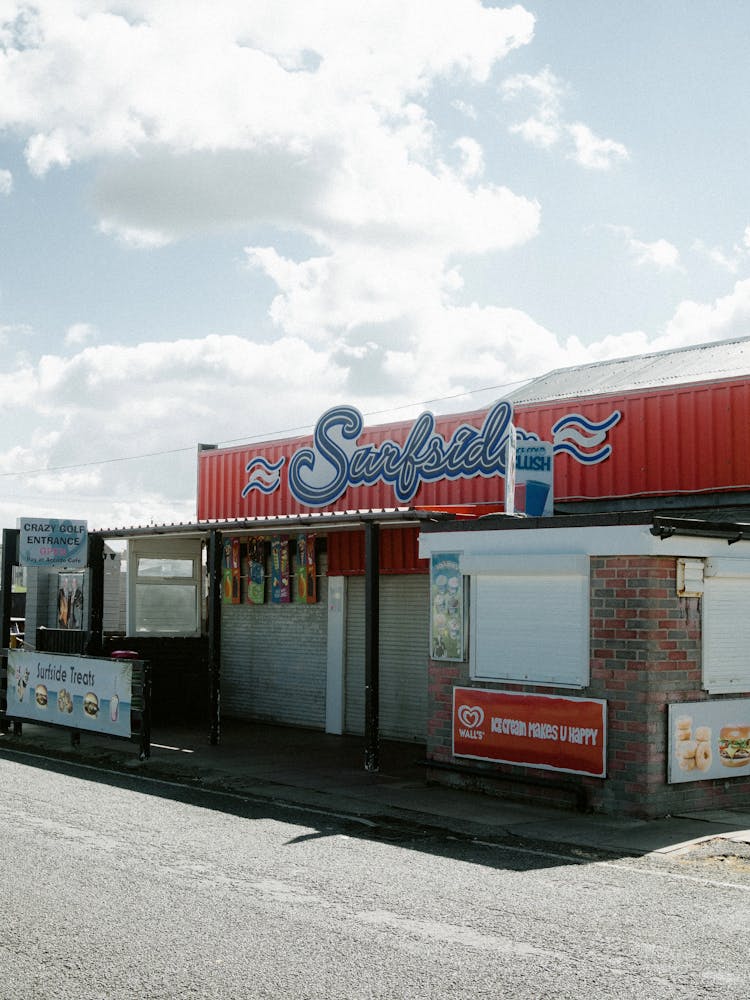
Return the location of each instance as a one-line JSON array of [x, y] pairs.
[[213, 568], [372, 644], [96, 591], [10, 558]]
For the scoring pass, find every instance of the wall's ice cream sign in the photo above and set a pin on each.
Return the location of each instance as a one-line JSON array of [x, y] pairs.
[[545, 731]]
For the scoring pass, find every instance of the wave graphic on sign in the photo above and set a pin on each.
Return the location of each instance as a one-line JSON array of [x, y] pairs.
[[263, 476], [577, 436]]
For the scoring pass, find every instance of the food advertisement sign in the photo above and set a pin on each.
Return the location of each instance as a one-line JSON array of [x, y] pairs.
[[52, 541], [447, 635], [709, 739], [536, 730], [75, 691]]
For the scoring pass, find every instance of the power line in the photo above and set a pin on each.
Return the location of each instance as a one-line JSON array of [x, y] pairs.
[[249, 437]]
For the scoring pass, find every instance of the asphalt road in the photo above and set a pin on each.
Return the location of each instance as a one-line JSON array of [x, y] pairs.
[[119, 888]]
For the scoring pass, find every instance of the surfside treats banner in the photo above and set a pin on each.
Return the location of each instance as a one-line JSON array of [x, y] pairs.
[[543, 731], [709, 739], [73, 691]]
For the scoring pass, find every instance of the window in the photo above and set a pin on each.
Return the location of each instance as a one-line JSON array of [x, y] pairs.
[[165, 590], [726, 626], [529, 619]]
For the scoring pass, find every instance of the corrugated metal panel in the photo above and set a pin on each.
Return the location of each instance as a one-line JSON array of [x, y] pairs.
[[346, 553], [702, 363], [687, 440], [398, 549], [683, 439], [404, 630], [274, 660]]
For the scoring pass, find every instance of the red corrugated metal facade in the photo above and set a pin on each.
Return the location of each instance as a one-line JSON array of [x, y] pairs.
[[397, 547], [689, 439]]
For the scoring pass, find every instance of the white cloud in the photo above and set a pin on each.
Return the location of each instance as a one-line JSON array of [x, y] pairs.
[[472, 157], [732, 261], [546, 126], [307, 118], [79, 334], [727, 262], [695, 322], [592, 152], [659, 254], [725, 318], [201, 76], [466, 109], [6, 182]]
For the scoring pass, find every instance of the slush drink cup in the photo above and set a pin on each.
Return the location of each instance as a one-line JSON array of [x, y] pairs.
[[536, 497]]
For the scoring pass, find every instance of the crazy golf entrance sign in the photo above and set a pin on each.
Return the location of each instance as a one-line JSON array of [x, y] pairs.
[[52, 541]]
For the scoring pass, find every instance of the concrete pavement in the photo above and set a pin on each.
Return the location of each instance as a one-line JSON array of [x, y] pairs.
[[320, 771]]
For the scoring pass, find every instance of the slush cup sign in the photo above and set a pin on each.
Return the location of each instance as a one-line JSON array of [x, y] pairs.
[[52, 541]]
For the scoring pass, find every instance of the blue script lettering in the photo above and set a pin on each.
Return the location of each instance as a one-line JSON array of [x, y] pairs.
[[320, 475]]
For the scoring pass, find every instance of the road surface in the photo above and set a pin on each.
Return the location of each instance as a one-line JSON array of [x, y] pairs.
[[119, 888]]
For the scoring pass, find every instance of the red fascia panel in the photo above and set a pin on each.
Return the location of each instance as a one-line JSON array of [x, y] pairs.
[[222, 477], [397, 547], [689, 439], [685, 439]]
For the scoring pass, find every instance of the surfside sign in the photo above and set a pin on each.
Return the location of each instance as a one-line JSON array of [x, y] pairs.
[[347, 466]]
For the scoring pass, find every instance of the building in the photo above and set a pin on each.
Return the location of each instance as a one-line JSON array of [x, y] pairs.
[[550, 593]]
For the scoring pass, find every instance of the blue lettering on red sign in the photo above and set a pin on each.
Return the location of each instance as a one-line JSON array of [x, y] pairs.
[[318, 476]]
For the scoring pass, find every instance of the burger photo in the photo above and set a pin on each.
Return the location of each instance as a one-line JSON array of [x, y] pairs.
[[40, 693], [91, 704], [734, 746]]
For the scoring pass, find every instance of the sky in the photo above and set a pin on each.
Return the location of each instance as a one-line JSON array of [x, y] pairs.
[[220, 218]]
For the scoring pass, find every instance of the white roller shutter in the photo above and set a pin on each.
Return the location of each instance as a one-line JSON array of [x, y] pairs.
[[404, 627], [530, 620], [726, 626], [274, 660]]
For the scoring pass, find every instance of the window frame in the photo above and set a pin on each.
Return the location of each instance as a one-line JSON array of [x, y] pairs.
[[167, 550]]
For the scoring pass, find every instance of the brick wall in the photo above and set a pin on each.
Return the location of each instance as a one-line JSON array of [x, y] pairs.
[[645, 653]]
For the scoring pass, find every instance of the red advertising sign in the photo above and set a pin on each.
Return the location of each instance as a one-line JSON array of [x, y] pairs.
[[536, 730]]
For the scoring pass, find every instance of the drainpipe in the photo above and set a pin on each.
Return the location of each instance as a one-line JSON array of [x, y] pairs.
[[372, 652]]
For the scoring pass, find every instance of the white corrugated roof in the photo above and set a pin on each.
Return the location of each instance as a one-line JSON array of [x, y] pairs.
[[702, 363]]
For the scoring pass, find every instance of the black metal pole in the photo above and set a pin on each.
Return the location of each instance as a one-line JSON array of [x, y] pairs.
[[10, 558], [213, 568], [372, 643], [96, 590]]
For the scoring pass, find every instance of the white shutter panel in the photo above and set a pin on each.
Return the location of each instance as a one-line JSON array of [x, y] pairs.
[[533, 629], [726, 634], [404, 629]]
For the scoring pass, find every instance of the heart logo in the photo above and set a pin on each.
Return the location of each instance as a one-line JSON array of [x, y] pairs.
[[471, 716]]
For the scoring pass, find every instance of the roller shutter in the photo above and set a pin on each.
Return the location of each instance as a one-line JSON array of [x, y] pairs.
[[274, 660], [404, 625], [726, 626]]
